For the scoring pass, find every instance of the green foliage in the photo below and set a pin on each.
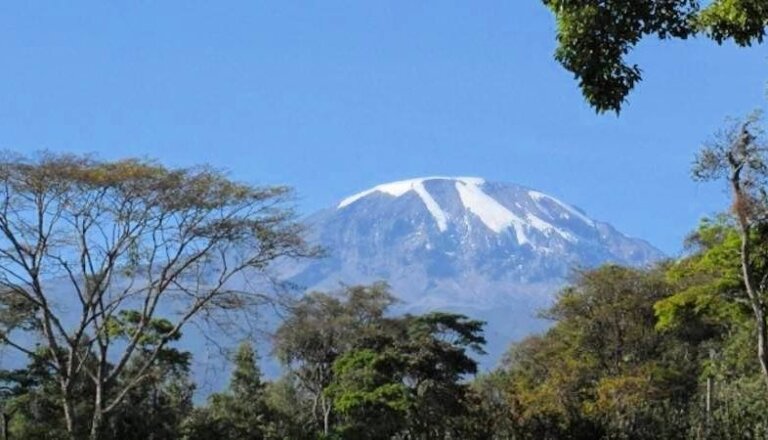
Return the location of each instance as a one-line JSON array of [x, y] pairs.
[[368, 394], [156, 409], [665, 352], [603, 370], [365, 378], [374, 376], [607, 369], [595, 37], [30, 400], [708, 283], [320, 328], [240, 414], [744, 21], [291, 409], [740, 412]]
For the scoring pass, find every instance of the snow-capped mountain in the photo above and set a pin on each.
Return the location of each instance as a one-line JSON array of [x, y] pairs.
[[493, 250], [446, 240]]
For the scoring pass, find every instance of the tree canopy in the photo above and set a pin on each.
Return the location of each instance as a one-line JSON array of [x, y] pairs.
[[596, 37], [134, 251]]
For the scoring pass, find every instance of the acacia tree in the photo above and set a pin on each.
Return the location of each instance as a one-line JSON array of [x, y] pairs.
[[595, 36], [97, 251], [739, 156]]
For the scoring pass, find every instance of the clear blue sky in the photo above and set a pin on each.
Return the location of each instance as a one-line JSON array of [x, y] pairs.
[[332, 97]]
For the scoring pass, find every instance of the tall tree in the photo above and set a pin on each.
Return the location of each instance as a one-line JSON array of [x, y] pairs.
[[31, 405], [409, 382], [603, 370], [595, 36], [321, 327], [241, 413], [739, 155], [369, 394], [91, 245], [438, 358]]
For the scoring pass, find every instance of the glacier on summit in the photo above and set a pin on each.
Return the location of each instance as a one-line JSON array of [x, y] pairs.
[[488, 210]]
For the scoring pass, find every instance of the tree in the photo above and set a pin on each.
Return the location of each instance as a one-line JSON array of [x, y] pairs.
[[595, 36], [603, 370], [707, 283], [244, 408], [437, 361], [290, 407], [98, 250], [242, 413], [246, 381], [410, 381], [491, 413], [369, 394], [155, 408], [738, 155], [367, 375], [321, 327], [31, 403], [609, 311]]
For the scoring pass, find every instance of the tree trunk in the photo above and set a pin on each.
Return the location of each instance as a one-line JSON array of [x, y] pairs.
[[6, 434], [762, 345], [69, 412], [754, 291], [757, 303], [96, 424], [97, 421], [326, 416], [710, 391]]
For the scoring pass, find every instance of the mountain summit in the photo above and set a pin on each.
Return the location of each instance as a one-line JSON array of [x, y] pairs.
[[448, 240], [487, 249]]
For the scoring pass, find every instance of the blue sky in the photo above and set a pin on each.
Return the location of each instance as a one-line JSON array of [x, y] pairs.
[[332, 97]]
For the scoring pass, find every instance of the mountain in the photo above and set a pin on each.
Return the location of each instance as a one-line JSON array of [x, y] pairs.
[[494, 250]]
